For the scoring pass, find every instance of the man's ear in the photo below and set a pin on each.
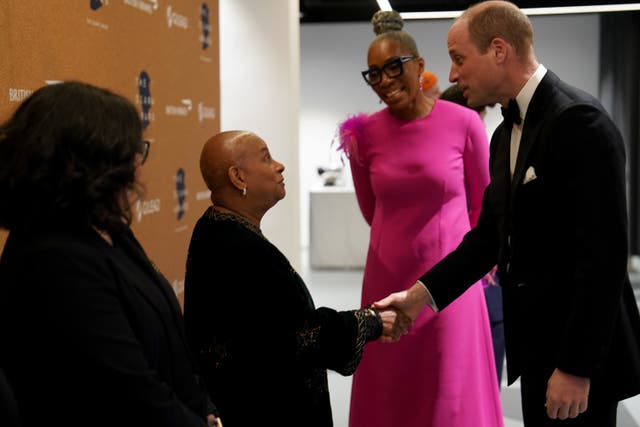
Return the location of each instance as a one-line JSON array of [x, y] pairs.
[[236, 176], [500, 48]]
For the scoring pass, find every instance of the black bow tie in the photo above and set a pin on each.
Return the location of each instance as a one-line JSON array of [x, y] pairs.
[[511, 114]]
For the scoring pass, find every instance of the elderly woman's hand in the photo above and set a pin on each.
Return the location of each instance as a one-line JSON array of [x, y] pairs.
[[394, 324]]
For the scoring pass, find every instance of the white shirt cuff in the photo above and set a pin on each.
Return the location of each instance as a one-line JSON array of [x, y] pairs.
[[430, 301]]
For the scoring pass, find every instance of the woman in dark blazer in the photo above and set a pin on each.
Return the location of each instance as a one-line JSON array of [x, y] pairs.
[[92, 333]]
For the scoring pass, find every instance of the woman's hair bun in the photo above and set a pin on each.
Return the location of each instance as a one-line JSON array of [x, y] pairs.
[[386, 20]]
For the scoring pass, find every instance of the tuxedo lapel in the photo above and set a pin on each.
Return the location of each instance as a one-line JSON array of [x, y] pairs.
[[502, 174], [532, 124], [530, 133]]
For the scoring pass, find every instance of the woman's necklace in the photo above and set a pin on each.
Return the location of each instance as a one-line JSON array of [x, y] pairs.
[[220, 212]]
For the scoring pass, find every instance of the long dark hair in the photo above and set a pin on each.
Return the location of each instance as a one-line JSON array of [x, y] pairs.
[[68, 154]]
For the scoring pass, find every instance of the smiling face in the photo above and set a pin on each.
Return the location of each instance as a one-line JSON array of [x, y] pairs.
[[399, 93], [476, 73]]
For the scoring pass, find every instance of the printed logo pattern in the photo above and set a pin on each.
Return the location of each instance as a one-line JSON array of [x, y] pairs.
[[181, 193], [206, 28], [144, 98], [95, 4]]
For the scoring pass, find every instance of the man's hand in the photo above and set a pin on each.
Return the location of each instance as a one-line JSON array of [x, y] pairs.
[[410, 301], [213, 421], [490, 277], [567, 395], [394, 324]]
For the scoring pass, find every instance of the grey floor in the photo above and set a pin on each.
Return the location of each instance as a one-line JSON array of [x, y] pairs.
[[340, 289]]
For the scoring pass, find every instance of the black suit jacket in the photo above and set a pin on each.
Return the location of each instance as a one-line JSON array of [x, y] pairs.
[[560, 242], [8, 406], [93, 334]]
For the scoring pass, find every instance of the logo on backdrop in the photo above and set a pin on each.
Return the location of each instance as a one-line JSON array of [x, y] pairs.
[[148, 6], [97, 4], [181, 194], [203, 195], [206, 113], [179, 110], [147, 207], [18, 94], [144, 98], [174, 19], [204, 24]]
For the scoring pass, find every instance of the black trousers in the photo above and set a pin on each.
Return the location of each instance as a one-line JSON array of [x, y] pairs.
[[600, 411], [493, 297]]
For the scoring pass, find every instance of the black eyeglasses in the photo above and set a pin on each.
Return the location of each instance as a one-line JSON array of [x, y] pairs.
[[392, 68], [144, 150]]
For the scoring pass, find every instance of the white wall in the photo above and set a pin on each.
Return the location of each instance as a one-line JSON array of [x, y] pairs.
[[260, 87], [332, 56]]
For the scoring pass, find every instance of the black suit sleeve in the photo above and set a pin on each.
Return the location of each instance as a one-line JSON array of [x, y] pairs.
[[589, 144], [470, 261]]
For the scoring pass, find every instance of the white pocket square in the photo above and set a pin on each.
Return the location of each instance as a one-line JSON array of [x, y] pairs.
[[529, 175]]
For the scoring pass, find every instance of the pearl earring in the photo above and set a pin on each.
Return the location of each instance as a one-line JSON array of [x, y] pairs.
[[244, 191]]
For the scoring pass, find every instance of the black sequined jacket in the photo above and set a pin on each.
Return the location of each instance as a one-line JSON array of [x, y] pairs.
[[263, 347]]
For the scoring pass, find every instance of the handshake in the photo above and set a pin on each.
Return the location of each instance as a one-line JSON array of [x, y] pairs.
[[400, 309]]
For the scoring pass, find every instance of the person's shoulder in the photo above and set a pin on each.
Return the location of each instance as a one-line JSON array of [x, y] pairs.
[[452, 107], [566, 96], [569, 105], [354, 124], [62, 244], [66, 262], [451, 111], [567, 108], [223, 232], [354, 133]]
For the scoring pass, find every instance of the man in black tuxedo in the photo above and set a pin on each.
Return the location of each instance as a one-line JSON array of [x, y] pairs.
[[554, 220]]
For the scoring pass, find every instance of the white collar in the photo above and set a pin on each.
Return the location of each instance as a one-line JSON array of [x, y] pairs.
[[526, 93]]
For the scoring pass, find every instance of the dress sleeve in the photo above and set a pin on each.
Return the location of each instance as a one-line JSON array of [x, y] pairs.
[[335, 340], [278, 310], [476, 166], [352, 144]]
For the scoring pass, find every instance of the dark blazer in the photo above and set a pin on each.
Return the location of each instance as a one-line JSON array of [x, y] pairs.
[[560, 242], [8, 406], [93, 334]]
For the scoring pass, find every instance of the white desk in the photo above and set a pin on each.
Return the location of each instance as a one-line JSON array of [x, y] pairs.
[[338, 236]]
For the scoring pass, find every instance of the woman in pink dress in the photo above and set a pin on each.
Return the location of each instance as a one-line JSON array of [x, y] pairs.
[[420, 167]]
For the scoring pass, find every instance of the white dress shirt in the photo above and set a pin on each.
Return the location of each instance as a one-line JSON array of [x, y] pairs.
[[523, 99]]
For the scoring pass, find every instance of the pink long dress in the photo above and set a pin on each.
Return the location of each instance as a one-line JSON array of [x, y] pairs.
[[419, 185]]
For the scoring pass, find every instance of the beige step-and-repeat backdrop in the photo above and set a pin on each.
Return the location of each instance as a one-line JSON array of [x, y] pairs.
[[160, 54]]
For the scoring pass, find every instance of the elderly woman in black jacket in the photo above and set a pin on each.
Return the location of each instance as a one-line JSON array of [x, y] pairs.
[[263, 346]]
